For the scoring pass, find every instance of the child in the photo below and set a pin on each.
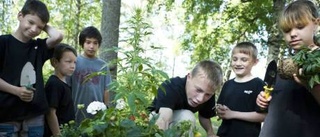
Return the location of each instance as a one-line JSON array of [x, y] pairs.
[[84, 90], [22, 109], [294, 110], [179, 98], [58, 93], [237, 101]]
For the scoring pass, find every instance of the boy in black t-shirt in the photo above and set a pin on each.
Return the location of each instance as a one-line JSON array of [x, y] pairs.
[[59, 94], [236, 105], [22, 108], [179, 98]]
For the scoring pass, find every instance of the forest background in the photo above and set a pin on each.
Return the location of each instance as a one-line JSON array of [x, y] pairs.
[[166, 35]]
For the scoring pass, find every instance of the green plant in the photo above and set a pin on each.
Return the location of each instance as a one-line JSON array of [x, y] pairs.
[[136, 85], [309, 61]]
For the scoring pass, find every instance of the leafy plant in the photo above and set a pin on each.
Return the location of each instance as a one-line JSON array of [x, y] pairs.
[[309, 61], [136, 85]]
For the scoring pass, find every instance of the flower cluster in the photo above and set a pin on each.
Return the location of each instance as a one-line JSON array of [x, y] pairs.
[[96, 106], [120, 104]]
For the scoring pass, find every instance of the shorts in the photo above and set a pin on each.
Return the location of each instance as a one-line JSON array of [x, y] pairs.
[[33, 127]]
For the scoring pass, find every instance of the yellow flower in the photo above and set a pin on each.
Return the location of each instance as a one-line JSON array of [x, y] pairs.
[[197, 134]]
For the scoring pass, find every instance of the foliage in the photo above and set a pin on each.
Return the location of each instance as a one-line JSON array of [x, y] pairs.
[[309, 61], [212, 26], [136, 85], [120, 122]]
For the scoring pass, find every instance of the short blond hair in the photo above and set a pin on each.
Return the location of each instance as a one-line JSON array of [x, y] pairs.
[[212, 71]]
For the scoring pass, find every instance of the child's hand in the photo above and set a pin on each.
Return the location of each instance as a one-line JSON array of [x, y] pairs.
[[224, 112], [262, 101], [299, 80], [25, 94]]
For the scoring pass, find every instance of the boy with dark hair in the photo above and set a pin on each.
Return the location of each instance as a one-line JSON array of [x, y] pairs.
[[22, 96], [58, 92], [84, 90]]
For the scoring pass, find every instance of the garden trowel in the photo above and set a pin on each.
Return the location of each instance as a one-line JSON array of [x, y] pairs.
[[28, 76], [270, 78]]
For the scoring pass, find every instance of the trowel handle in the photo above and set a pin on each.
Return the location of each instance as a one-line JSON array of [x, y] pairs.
[[29, 87], [267, 91]]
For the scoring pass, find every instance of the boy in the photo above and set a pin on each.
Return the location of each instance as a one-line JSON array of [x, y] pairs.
[[237, 101], [84, 90], [58, 92], [179, 98], [22, 108]]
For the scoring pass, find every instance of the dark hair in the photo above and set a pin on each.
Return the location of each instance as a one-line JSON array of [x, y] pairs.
[[36, 7], [212, 70], [89, 32], [60, 49], [246, 48]]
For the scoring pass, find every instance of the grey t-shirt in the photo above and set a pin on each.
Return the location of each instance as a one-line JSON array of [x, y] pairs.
[[86, 90]]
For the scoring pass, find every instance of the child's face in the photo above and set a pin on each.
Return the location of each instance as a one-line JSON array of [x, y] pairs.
[[242, 64], [30, 25], [67, 64], [199, 89], [90, 47], [300, 36]]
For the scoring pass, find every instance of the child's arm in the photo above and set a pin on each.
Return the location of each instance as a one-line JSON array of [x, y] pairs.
[[53, 122], [207, 125], [315, 91], [106, 97], [225, 113], [55, 37], [22, 92], [165, 118]]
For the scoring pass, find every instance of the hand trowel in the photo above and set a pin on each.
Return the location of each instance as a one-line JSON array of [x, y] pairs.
[[28, 76]]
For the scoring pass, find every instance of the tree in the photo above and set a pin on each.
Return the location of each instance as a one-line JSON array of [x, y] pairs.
[[213, 27], [110, 34], [275, 38]]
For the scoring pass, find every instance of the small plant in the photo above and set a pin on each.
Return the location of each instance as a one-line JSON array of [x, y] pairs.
[[119, 121], [137, 82], [308, 61]]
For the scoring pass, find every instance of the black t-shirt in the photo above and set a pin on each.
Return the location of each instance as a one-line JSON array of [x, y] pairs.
[[293, 112], [59, 96], [240, 97], [172, 94], [13, 56]]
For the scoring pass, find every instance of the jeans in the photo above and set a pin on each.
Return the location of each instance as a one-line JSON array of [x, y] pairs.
[[33, 127]]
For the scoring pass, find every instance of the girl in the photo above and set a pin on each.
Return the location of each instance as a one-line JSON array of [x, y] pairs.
[[58, 92], [294, 110]]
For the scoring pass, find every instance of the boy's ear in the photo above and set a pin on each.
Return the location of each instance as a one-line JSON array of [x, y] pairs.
[[188, 75], [256, 61], [53, 62], [20, 15]]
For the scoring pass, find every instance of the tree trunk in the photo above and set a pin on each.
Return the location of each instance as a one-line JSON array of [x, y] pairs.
[[275, 36], [110, 35]]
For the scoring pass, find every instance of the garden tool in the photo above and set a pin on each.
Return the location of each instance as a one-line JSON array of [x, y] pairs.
[[270, 78], [28, 76]]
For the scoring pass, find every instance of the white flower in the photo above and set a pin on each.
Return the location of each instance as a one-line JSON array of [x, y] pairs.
[[96, 106], [120, 104]]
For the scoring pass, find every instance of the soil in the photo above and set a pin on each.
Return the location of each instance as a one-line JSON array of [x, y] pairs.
[[287, 68]]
